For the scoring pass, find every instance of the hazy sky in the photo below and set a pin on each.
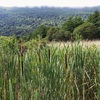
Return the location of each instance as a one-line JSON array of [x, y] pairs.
[[55, 3]]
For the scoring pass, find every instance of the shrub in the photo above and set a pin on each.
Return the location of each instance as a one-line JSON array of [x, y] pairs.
[[87, 30], [51, 33]]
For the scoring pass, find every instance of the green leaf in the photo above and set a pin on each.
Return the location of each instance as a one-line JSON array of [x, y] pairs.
[[11, 91]]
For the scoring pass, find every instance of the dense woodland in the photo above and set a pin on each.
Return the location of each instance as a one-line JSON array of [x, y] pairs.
[[51, 23], [73, 28]]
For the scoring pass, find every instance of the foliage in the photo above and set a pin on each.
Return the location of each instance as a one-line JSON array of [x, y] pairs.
[[50, 72], [10, 90], [51, 32], [62, 36], [21, 21], [95, 18], [42, 31], [28, 23], [87, 30], [72, 23], [57, 34]]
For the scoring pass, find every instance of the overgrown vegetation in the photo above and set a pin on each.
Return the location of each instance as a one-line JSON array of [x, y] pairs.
[[31, 69], [88, 29], [36, 71], [21, 21]]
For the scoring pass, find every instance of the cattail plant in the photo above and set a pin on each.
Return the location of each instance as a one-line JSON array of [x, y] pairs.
[[30, 72], [22, 49]]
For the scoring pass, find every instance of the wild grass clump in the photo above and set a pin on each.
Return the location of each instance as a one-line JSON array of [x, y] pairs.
[[49, 73]]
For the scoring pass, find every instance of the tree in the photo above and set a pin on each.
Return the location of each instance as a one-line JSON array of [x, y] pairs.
[[68, 25], [42, 31], [87, 30], [72, 23], [51, 32], [60, 35], [95, 18], [77, 21]]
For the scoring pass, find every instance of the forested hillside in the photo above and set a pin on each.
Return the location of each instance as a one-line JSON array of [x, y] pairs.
[[21, 21]]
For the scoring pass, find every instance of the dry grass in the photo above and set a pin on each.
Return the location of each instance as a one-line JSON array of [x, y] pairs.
[[85, 43], [88, 43]]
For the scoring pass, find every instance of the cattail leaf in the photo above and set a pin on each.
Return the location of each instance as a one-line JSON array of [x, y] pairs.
[[11, 90]]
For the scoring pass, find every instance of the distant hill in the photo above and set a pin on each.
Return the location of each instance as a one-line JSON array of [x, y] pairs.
[[24, 20]]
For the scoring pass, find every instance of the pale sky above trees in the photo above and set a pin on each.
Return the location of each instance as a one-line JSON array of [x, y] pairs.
[[50, 3]]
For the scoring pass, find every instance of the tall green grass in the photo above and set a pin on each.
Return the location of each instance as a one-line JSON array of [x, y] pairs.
[[49, 73]]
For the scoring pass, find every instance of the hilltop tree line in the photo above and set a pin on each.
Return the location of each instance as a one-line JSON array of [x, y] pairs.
[[73, 26], [21, 21]]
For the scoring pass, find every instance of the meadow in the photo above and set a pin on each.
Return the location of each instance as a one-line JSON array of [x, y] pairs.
[[53, 71]]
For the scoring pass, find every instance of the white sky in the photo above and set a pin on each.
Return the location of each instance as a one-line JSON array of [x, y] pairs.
[[55, 3]]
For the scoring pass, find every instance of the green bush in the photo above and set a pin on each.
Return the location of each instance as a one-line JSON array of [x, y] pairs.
[[95, 18], [72, 23], [42, 31], [51, 32], [57, 34], [87, 30], [62, 36]]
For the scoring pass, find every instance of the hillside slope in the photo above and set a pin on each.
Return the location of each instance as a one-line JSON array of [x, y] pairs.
[[24, 20]]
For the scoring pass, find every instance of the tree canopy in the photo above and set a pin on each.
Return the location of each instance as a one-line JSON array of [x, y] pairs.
[[95, 18], [72, 23], [87, 31]]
